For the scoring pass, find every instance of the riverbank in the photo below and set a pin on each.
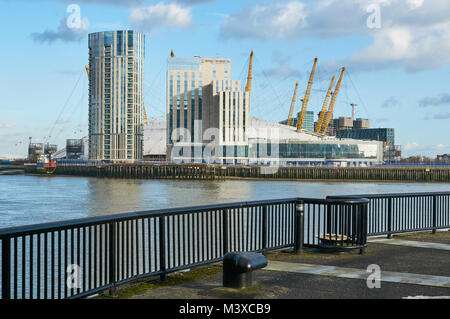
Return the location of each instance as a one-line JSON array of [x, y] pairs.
[[217, 172]]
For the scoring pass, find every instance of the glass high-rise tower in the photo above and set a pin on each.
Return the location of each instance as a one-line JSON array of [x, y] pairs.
[[116, 101]]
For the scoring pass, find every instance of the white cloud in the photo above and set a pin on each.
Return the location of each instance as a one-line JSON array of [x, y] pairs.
[[282, 68], [412, 146], [414, 4], [136, 2], [414, 34], [266, 20], [63, 33], [8, 125], [150, 18], [441, 116], [390, 102], [432, 150], [282, 71], [416, 49], [436, 100]]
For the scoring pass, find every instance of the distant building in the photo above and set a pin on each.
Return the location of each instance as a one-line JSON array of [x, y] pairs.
[[50, 148], [155, 139], [386, 135], [443, 158], [361, 123], [308, 122], [34, 151], [116, 68], [74, 148], [342, 123], [392, 153], [202, 98]]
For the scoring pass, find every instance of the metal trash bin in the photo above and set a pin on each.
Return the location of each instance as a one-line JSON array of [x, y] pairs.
[[239, 266]]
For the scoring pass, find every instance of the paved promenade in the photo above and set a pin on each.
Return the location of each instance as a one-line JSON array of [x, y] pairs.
[[411, 267]]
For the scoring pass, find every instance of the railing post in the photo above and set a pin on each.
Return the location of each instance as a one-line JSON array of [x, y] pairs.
[[264, 228], [112, 259], [434, 213], [363, 228], [389, 225], [225, 232], [299, 221], [6, 268], [162, 248]]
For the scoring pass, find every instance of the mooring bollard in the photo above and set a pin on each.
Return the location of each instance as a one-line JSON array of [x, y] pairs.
[[239, 266]]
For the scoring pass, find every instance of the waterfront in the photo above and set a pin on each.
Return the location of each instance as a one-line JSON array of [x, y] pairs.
[[37, 199]]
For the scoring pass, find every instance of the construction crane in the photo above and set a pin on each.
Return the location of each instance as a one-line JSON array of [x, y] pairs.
[[324, 107], [147, 120], [332, 103], [248, 86], [291, 111], [302, 114]]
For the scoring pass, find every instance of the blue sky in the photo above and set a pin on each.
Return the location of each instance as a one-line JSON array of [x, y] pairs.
[[398, 68]]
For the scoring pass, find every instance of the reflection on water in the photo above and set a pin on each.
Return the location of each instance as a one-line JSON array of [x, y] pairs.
[[34, 199]]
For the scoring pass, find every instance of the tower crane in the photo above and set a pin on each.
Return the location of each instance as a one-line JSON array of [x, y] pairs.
[[332, 103], [248, 86], [301, 117], [324, 107], [291, 111]]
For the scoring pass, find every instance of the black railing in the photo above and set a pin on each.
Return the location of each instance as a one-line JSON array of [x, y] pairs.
[[77, 258], [390, 214]]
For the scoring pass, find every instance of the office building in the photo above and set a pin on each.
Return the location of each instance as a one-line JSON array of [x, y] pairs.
[[74, 148], [308, 122], [361, 123], [342, 123], [116, 68], [204, 106], [386, 135]]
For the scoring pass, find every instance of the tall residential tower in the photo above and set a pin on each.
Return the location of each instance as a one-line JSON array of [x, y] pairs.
[[116, 67]]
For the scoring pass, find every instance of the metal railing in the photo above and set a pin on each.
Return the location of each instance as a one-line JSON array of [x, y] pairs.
[[390, 214], [73, 259]]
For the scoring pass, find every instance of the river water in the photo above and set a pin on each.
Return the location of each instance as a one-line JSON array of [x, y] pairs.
[[38, 199]]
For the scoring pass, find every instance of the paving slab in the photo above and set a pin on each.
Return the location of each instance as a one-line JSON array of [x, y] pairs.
[[411, 243], [363, 274]]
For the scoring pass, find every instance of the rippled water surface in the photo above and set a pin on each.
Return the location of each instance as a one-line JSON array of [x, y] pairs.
[[37, 199]]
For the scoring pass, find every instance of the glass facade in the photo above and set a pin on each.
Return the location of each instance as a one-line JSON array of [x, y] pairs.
[[185, 64], [314, 151], [373, 134], [116, 63], [308, 122]]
